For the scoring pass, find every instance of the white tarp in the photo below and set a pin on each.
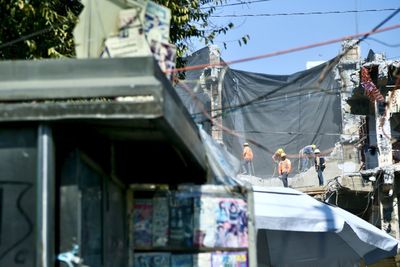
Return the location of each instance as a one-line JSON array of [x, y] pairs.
[[294, 229]]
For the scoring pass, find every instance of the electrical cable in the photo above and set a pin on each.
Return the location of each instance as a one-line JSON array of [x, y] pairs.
[[286, 51], [252, 101], [26, 37], [235, 108], [201, 66], [329, 64], [239, 134], [291, 132], [264, 96], [356, 15], [236, 4], [30, 35], [302, 13], [383, 43], [363, 37], [278, 97], [234, 132], [223, 128]]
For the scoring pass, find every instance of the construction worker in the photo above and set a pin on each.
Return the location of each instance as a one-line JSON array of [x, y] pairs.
[[319, 163], [305, 154], [276, 158], [284, 168], [248, 159]]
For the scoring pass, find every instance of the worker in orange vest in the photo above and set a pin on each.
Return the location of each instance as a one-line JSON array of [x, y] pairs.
[[284, 168], [248, 159]]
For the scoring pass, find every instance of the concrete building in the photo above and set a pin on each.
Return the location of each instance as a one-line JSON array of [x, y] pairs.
[[362, 168]]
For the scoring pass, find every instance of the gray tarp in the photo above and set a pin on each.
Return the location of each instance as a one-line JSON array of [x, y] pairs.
[[271, 111]]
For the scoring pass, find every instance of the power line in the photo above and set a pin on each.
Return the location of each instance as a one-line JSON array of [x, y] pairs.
[[336, 60], [26, 37], [236, 4], [230, 109], [286, 51], [239, 134], [329, 65], [303, 13], [33, 34], [223, 128], [257, 99], [264, 99], [383, 43]]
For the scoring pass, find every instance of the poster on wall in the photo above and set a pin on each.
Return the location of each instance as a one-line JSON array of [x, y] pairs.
[[142, 223], [152, 259], [181, 221], [229, 259], [133, 45], [220, 222], [157, 22], [165, 54], [160, 221]]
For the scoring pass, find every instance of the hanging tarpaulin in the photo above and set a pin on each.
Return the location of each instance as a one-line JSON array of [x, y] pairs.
[[370, 89], [280, 111], [224, 166], [272, 111]]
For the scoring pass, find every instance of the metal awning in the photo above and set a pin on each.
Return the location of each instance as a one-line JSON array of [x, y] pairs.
[[127, 100]]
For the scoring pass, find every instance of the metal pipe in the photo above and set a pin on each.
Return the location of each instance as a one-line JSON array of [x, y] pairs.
[[45, 197]]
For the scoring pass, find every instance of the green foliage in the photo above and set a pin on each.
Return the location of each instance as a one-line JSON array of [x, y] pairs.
[[34, 29]]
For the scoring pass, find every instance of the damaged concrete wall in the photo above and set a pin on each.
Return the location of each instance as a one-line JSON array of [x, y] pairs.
[[366, 141], [385, 193], [374, 143], [347, 74]]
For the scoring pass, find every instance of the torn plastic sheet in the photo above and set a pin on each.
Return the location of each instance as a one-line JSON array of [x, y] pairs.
[[273, 111], [223, 164]]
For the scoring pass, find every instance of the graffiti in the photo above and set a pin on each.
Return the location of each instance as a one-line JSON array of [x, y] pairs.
[[9, 245]]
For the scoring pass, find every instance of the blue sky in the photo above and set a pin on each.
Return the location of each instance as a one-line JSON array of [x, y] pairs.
[[271, 34]]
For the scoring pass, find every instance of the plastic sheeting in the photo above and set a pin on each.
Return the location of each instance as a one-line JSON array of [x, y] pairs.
[[294, 229], [269, 111], [224, 165], [192, 93]]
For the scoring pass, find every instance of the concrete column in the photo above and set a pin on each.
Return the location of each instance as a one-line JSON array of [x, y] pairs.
[[215, 82], [383, 137]]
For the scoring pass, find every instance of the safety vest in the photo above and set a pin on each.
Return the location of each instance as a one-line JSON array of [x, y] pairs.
[[247, 153], [285, 166]]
